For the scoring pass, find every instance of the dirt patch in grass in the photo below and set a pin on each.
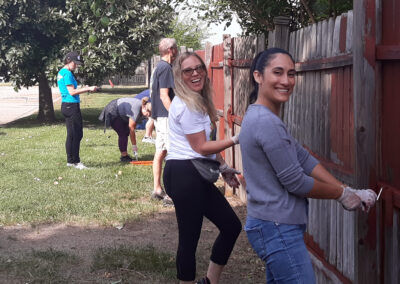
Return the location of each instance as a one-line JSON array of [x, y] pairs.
[[81, 246]]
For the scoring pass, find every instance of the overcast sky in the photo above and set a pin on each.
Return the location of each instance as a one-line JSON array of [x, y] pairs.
[[218, 30]]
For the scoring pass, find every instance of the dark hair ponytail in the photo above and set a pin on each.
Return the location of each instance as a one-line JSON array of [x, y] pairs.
[[259, 63], [253, 94]]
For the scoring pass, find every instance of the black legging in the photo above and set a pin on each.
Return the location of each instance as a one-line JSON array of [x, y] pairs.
[[195, 198], [122, 128], [73, 120]]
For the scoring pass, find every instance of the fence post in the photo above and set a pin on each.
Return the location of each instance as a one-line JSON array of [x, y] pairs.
[[366, 120], [227, 102], [279, 37], [207, 54]]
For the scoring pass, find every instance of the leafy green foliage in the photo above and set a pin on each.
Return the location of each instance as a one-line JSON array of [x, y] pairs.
[[327, 8], [256, 16], [32, 34], [188, 32], [114, 36]]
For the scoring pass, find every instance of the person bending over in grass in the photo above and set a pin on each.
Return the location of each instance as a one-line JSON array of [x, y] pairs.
[[70, 107], [149, 127], [123, 115], [192, 132]]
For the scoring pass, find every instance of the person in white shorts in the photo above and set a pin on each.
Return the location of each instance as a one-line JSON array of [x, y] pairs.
[[161, 93]]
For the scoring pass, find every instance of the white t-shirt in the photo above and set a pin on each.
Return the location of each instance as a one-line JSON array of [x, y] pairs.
[[183, 121]]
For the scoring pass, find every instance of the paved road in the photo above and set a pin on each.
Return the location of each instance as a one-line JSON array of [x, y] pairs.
[[16, 105]]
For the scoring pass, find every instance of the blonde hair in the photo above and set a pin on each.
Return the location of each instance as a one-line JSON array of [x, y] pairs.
[[166, 43], [203, 103], [146, 104]]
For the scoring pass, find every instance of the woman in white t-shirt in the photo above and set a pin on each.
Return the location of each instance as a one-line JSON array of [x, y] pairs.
[[192, 117]]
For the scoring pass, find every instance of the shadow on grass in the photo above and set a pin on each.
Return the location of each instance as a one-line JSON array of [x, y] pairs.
[[123, 91], [57, 253], [89, 115], [89, 107]]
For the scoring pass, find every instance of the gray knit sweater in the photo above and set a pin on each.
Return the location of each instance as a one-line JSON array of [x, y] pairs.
[[276, 168]]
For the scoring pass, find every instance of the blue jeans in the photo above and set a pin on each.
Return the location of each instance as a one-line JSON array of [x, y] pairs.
[[282, 248]]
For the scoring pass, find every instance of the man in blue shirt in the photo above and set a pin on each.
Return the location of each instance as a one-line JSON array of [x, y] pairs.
[[70, 107], [162, 93]]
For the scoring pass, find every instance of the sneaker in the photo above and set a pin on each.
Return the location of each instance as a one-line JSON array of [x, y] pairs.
[[147, 139], [204, 280], [167, 201], [158, 196], [70, 165], [126, 159], [80, 166]]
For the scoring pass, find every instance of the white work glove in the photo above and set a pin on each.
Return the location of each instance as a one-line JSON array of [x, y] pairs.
[[367, 196], [349, 200], [134, 149], [235, 139], [229, 175]]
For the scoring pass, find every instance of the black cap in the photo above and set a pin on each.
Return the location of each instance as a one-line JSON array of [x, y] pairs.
[[74, 56]]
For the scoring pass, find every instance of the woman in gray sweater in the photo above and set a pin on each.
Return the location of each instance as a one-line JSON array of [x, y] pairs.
[[280, 175]]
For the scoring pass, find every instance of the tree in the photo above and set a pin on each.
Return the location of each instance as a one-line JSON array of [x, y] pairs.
[[114, 36], [188, 32], [256, 16], [31, 36]]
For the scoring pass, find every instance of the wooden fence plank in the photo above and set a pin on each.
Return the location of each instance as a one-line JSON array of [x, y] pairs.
[[349, 32], [336, 37], [307, 43], [324, 38], [227, 101], [339, 133], [392, 250], [346, 118], [310, 123], [315, 131], [365, 86], [313, 42], [339, 237], [329, 42], [318, 53], [245, 48], [297, 53], [333, 232], [302, 46], [292, 45]]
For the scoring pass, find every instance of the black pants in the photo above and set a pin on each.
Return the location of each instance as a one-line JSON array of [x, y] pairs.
[[73, 120], [195, 198], [122, 128]]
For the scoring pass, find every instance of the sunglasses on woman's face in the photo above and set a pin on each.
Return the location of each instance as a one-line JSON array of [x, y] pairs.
[[189, 71]]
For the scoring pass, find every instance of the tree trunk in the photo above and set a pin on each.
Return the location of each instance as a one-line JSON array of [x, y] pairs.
[[46, 109]]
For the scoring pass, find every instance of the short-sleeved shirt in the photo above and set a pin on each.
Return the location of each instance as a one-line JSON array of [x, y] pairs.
[[161, 78], [130, 108], [183, 121], [65, 78]]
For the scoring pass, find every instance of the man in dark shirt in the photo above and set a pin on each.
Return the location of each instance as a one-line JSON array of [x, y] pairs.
[[161, 93]]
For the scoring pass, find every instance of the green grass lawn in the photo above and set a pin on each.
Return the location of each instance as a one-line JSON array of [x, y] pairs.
[[36, 186]]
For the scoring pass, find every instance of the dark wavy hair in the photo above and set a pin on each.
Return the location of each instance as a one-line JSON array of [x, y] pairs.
[[259, 63]]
